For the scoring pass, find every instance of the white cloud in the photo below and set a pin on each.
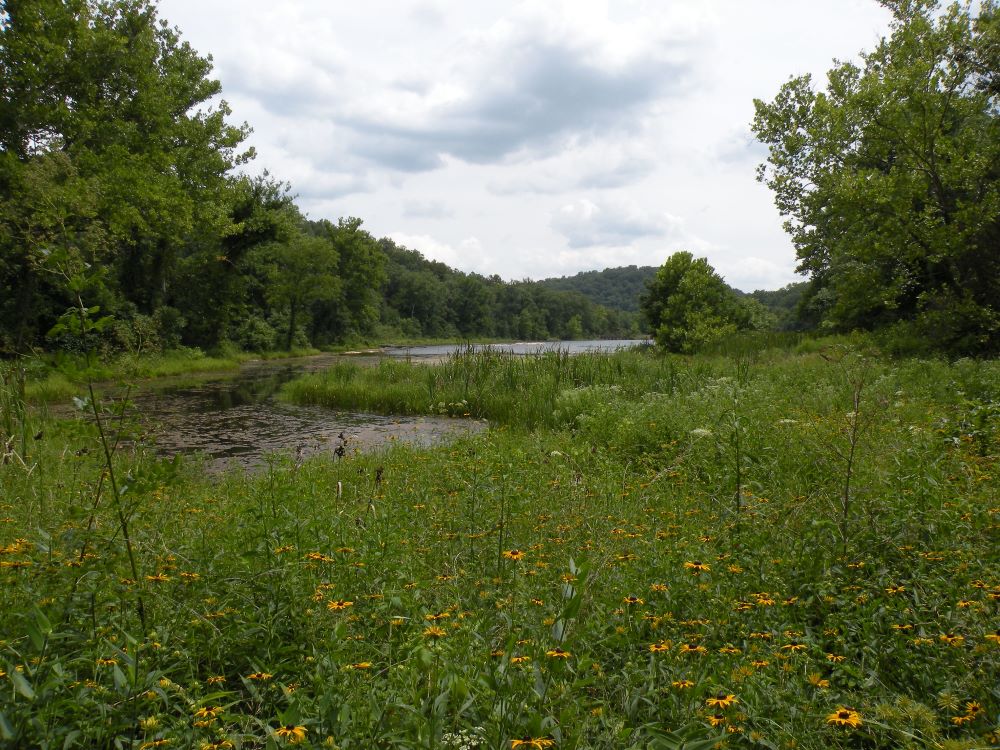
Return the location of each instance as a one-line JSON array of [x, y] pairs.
[[561, 135]]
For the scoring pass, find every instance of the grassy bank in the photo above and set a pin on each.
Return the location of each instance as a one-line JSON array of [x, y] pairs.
[[765, 552], [59, 377]]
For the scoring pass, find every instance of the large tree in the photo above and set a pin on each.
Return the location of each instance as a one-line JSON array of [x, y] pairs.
[[688, 305], [112, 153], [890, 178]]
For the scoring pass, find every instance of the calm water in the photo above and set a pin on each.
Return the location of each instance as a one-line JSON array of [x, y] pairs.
[[234, 418]]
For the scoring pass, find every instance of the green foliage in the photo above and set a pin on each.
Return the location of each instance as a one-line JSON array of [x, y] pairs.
[[688, 305], [429, 299], [367, 601], [890, 179], [614, 288]]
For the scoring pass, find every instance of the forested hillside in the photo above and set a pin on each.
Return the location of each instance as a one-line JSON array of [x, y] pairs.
[[617, 288]]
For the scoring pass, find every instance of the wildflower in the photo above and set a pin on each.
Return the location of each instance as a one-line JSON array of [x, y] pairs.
[[158, 578], [994, 636], [844, 717], [215, 680], [658, 587], [816, 680], [434, 632], [682, 684], [293, 734], [729, 649], [532, 743], [558, 653], [951, 639], [154, 743], [497, 653], [835, 658], [722, 700], [657, 648], [149, 723], [735, 569], [794, 646], [895, 589], [338, 605], [106, 662], [260, 676], [759, 663], [633, 600], [520, 659], [208, 712], [362, 665], [435, 618], [513, 554], [697, 566], [689, 649], [716, 719]]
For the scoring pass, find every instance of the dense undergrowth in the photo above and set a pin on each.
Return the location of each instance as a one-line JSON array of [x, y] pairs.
[[766, 551]]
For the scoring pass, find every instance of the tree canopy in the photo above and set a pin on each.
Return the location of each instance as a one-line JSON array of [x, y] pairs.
[[890, 179], [688, 305]]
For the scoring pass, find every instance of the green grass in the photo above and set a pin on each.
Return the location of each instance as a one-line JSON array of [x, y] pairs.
[[59, 377], [842, 512]]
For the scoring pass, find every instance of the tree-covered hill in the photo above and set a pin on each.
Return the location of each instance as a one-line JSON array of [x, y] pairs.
[[617, 288]]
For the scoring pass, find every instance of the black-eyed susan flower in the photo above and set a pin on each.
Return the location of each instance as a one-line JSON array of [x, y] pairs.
[[818, 681], [338, 605], [951, 639], [207, 712], [658, 648], [994, 636], [722, 700], [689, 649], [633, 600], [558, 653], [682, 684], [513, 554], [532, 743], [697, 566], [716, 719], [293, 734], [434, 632], [895, 589], [260, 676], [845, 717]]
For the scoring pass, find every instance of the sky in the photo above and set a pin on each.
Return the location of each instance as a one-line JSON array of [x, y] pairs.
[[529, 139]]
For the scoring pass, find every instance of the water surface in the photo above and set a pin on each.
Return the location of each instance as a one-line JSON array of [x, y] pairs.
[[233, 418]]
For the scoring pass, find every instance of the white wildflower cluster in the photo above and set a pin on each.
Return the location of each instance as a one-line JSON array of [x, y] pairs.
[[464, 739]]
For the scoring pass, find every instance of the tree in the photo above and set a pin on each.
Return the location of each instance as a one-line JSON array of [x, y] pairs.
[[301, 271], [688, 305], [104, 113], [890, 179]]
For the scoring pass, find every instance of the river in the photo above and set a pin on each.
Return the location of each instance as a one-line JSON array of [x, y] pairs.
[[233, 419]]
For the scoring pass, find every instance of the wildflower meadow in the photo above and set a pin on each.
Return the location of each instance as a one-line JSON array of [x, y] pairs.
[[757, 549]]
